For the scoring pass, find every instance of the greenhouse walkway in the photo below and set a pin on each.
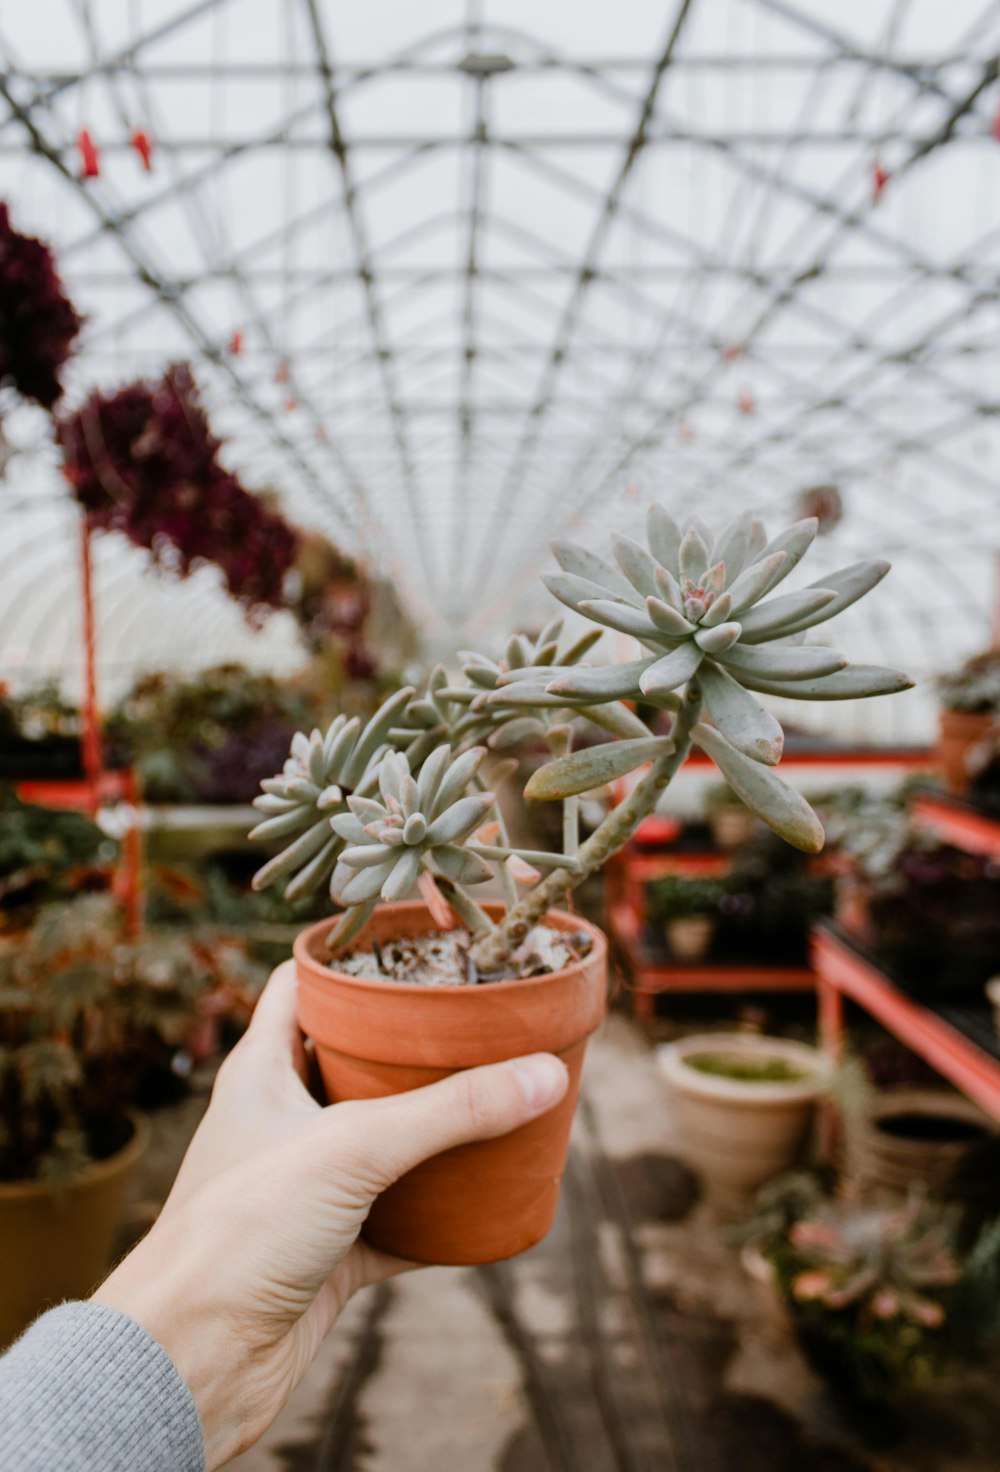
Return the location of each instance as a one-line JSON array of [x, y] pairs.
[[648, 1354]]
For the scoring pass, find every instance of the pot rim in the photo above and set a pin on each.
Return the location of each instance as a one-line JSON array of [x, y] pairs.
[[672, 1061], [306, 959], [96, 1171]]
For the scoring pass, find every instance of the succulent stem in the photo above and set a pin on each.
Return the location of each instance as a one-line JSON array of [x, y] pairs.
[[466, 909], [492, 950]]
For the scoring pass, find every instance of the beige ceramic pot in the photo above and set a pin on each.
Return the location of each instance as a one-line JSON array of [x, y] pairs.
[[737, 1134], [58, 1247]]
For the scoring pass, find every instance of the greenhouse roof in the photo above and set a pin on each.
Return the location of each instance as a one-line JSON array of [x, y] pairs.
[[457, 278]]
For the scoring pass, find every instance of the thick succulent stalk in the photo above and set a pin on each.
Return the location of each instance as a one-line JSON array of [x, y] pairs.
[[491, 952]]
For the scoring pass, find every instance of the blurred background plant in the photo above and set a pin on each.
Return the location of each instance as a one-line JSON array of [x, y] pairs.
[[208, 737], [46, 854], [881, 1296], [91, 1025]]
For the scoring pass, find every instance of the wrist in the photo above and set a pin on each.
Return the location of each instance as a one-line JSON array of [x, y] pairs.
[[174, 1302]]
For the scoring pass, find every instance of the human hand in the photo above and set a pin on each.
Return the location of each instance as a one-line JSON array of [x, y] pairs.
[[256, 1250]]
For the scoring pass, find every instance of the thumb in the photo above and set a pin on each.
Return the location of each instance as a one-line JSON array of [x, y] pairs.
[[379, 1140]]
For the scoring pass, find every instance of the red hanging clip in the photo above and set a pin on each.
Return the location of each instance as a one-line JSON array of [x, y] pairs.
[[89, 157], [144, 148], [235, 344], [281, 372], [880, 178], [747, 402], [291, 404], [731, 352]]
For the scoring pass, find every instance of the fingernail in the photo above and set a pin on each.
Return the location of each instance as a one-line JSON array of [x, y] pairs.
[[542, 1079]]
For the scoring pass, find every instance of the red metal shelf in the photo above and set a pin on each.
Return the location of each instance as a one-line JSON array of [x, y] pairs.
[[958, 823], [651, 975], [841, 971]]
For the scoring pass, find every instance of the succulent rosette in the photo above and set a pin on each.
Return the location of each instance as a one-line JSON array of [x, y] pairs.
[[701, 607], [416, 822], [428, 822], [479, 711], [319, 777]]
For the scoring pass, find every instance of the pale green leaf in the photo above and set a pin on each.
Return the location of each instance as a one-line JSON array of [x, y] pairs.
[[595, 766], [744, 723], [672, 670], [780, 615], [780, 662], [780, 806], [856, 682], [664, 536]]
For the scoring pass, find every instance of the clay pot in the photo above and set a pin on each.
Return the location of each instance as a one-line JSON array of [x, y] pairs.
[[737, 1134], [55, 1247], [481, 1202], [934, 1141], [690, 936], [958, 732]]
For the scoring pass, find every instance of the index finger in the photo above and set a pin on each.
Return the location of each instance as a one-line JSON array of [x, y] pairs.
[[275, 1021]]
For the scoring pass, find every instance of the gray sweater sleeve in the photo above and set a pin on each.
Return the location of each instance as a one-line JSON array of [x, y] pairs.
[[85, 1389]]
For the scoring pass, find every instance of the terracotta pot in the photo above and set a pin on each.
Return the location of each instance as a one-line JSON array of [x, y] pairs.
[[58, 1247], [482, 1202], [958, 732], [737, 1134], [689, 936]]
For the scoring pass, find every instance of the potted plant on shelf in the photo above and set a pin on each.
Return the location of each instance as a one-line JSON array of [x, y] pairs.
[[970, 708], [89, 1022], [392, 996], [731, 821], [772, 898], [208, 737], [745, 1106], [689, 911], [934, 919]]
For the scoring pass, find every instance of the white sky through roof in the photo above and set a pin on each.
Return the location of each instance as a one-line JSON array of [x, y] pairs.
[[530, 266]]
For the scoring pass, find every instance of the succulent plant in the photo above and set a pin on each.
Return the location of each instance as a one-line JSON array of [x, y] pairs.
[[700, 606], [320, 775], [369, 806], [890, 1262], [426, 822]]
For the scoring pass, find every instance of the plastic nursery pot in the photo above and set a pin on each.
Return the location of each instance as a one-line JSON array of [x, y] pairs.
[[55, 1247], [740, 1132], [482, 1202], [958, 732]]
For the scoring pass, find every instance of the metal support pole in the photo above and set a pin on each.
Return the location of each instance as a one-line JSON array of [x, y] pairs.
[[93, 763]]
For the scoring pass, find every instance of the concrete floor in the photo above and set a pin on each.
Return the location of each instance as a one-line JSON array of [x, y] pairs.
[[629, 1341]]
